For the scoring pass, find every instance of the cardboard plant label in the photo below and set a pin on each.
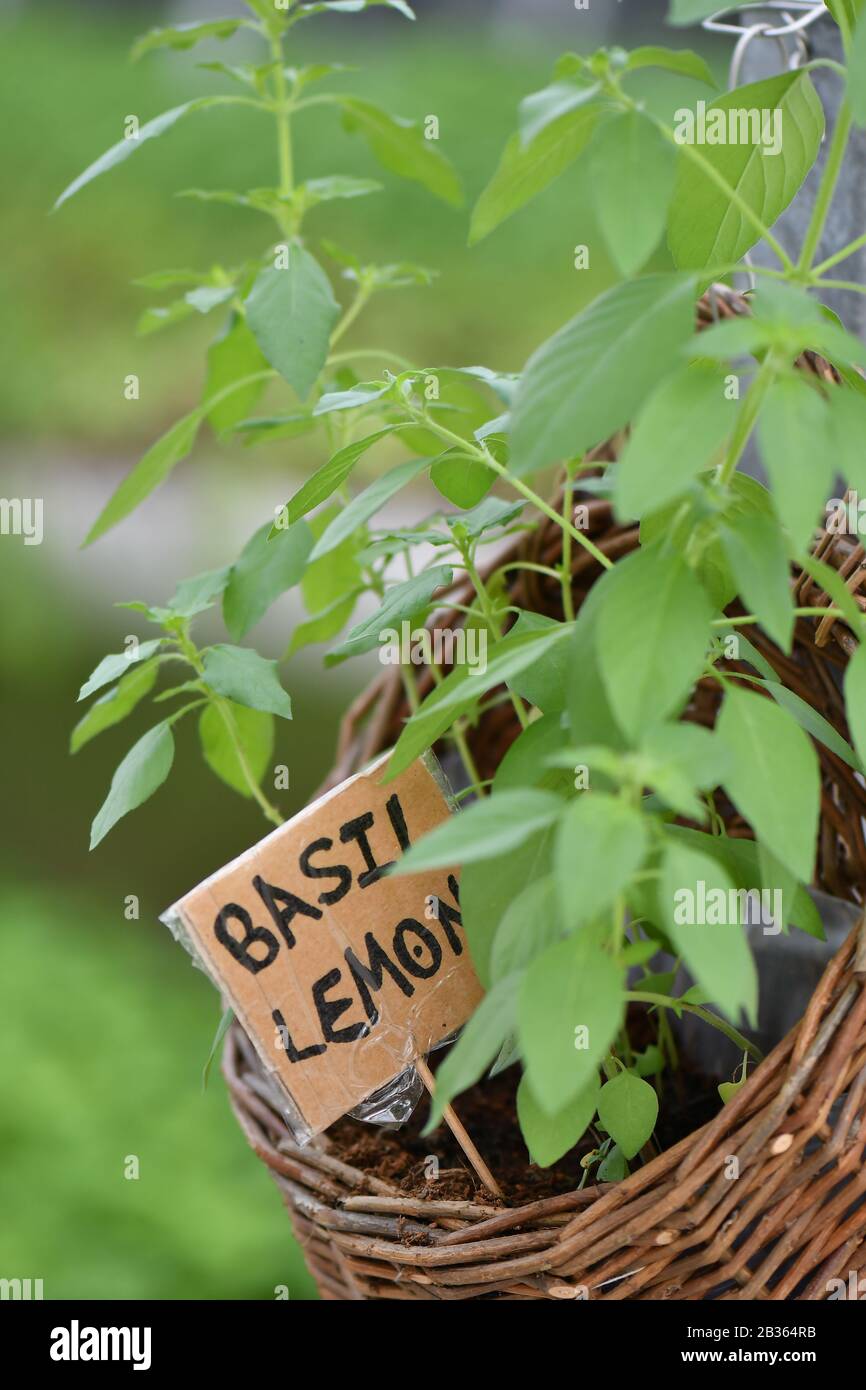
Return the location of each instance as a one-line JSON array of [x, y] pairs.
[[340, 974]]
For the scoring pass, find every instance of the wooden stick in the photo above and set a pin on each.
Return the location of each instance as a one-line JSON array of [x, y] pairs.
[[459, 1131], [860, 954]]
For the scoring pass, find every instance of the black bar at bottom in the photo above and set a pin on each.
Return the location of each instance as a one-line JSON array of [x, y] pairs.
[[256, 1339]]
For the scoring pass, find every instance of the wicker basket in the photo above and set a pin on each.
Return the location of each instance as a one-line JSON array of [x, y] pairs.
[[679, 1227]]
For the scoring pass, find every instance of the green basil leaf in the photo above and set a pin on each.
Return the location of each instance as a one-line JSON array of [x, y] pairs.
[[266, 9], [254, 731], [549, 1137], [157, 317], [652, 635], [792, 431], [750, 654], [265, 570], [269, 428], [502, 384], [677, 435], [813, 722], [628, 1108], [151, 470], [335, 576], [488, 515], [526, 170], [226, 1020], [650, 1062], [149, 131], [589, 709], [848, 422], [365, 393], [680, 60], [781, 308], [717, 956], [461, 479], [489, 887], [247, 678], [400, 145], [366, 505], [525, 764], [325, 625], [401, 601], [207, 298], [541, 109], [331, 476], [325, 190], [459, 403], [462, 689], [529, 925], [600, 844], [291, 313], [742, 861], [569, 1012], [156, 465], [170, 279], [591, 377], [705, 227], [233, 357], [487, 828], [613, 1167], [182, 36], [774, 777], [110, 667], [143, 770], [849, 9], [199, 593], [855, 700], [758, 558], [115, 704], [734, 338], [544, 683], [779, 882], [690, 748], [633, 171]]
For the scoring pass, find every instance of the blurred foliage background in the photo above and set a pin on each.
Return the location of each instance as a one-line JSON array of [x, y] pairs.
[[104, 1025]]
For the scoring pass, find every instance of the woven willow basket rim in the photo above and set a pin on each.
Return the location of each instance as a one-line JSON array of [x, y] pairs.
[[678, 1227]]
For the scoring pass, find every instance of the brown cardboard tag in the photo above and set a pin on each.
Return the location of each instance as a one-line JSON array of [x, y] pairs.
[[340, 974]]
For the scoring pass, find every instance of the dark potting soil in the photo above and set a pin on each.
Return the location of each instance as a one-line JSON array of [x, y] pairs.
[[401, 1156]]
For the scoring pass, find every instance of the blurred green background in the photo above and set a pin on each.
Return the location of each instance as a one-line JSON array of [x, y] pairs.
[[104, 1025]]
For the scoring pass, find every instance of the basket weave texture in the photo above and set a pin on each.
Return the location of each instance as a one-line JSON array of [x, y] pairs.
[[680, 1227]]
